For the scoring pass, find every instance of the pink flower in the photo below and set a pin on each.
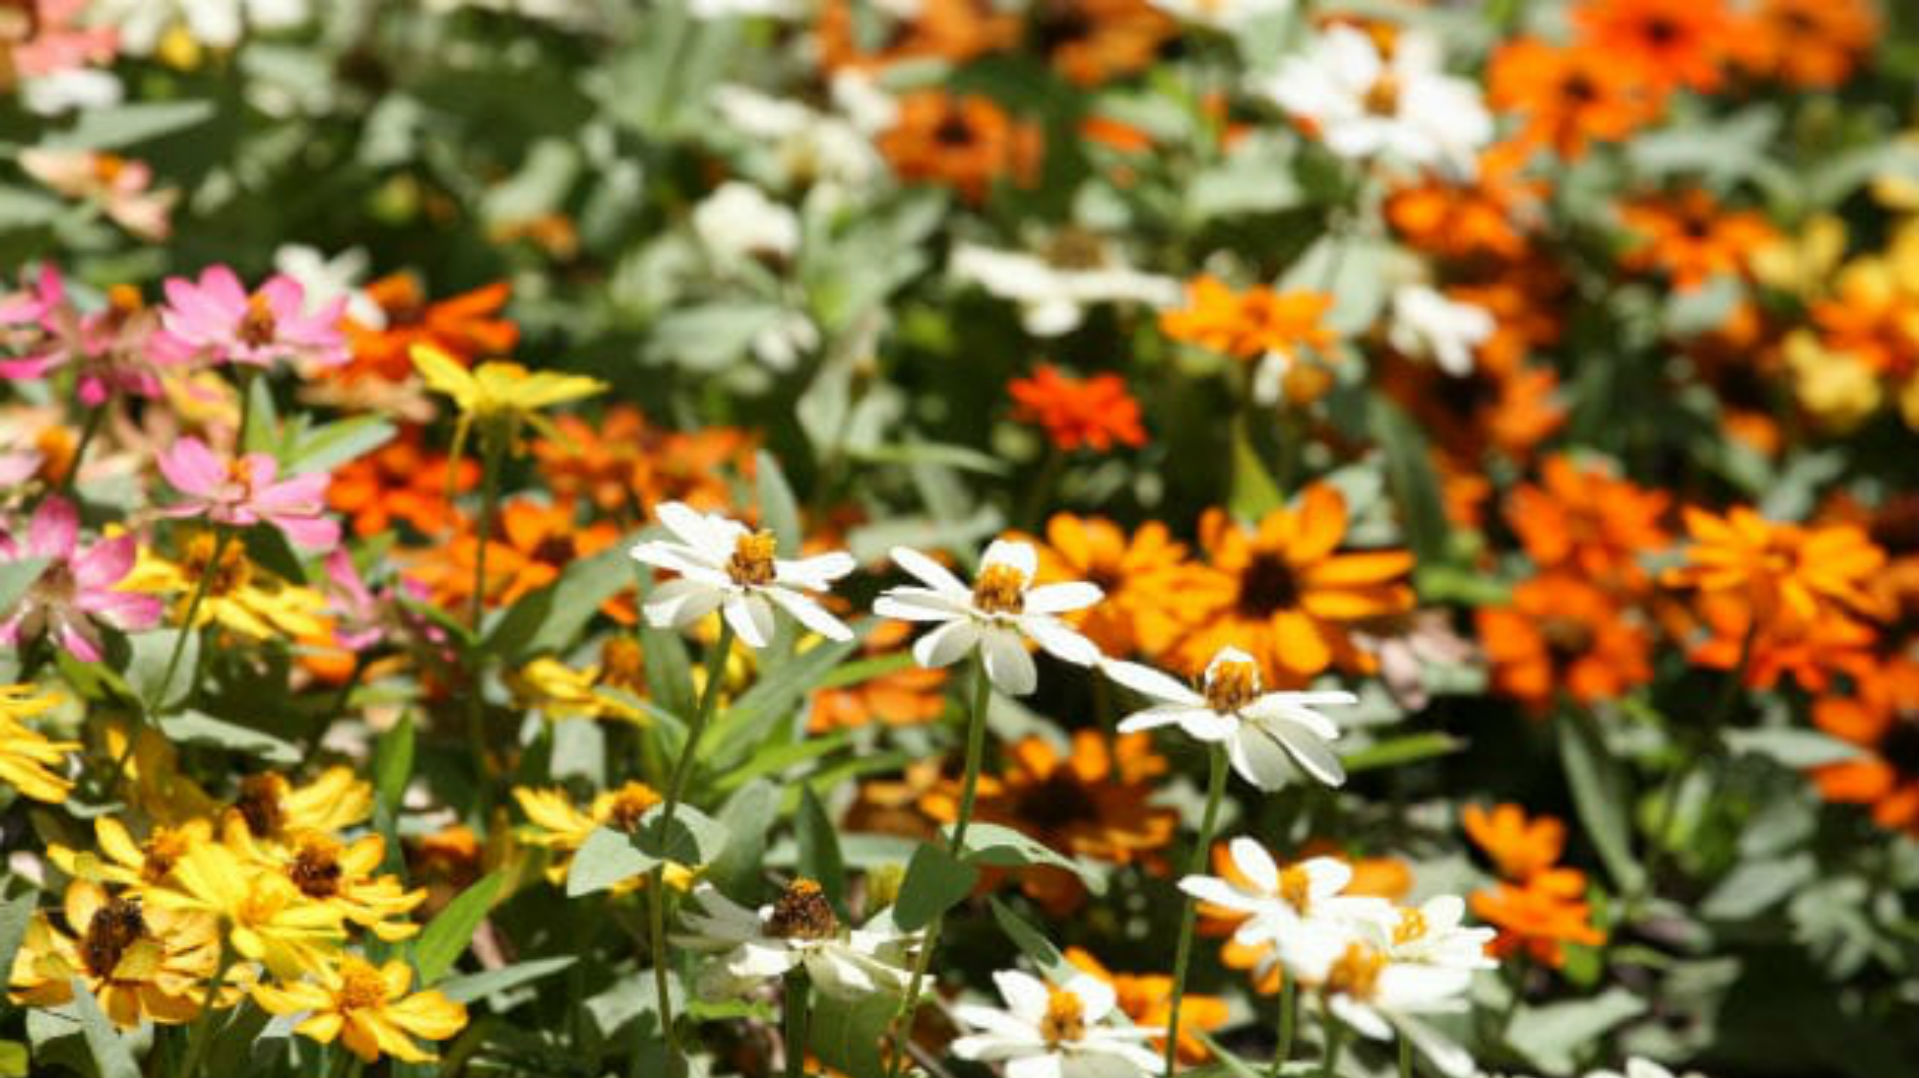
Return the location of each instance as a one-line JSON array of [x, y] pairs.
[[217, 321], [110, 346], [118, 186], [77, 589], [365, 617], [246, 491], [29, 326], [61, 41]]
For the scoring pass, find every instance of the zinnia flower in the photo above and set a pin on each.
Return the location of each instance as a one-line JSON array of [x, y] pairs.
[[367, 1008], [79, 590], [799, 929], [246, 491], [218, 321], [725, 566], [27, 758], [140, 962], [1078, 413], [1055, 1032]]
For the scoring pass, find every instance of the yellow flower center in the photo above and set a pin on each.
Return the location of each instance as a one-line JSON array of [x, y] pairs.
[[108, 166], [361, 986], [1232, 686], [1296, 888], [1356, 972], [232, 574], [113, 928], [752, 563], [258, 325], [124, 299], [803, 913], [630, 802], [260, 905], [259, 803], [1383, 98], [1000, 589], [316, 866], [622, 663], [1411, 926], [1065, 1019], [162, 849]]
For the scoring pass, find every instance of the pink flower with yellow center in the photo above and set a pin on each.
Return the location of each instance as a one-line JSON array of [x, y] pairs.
[[78, 591], [218, 321], [247, 490]]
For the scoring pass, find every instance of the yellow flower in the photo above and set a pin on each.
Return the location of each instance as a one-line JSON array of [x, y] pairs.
[[266, 917], [136, 865], [338, 874], [271, 807], [241, 596], [560, 827], [1802, 263], [141, 962], [154, 786], [1835, 386], [368, 1009], [27, 758], [499, 395], [562, 692]]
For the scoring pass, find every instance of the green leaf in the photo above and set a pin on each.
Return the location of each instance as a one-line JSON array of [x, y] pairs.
[[847, 1035], [477, 986], [695, 839], [936, 881], [779, 510], [111, 1057], [1752, 887], [606, 857], [393, 764], [820, 858], [1254, 493], [551, 618], [1409, 471], [747, 816], [1032, 943], [15, 914], [337, 443], [148, 665], [1553, 1036], [1398, 751], [193, 727], [126, 125], [1003, 847], [741, 727], [446, 938], [14, 1059], [1600, 795], [1792, 748], [16, 577]]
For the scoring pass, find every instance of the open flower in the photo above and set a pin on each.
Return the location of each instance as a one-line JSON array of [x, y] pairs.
[[1301, 908], [725, 566], [122, 189], [367, 1008], [265, 916], [1056, 1032], [1429, 325], [996, 615], [140, 963], [27, 758], [799, 929], [247, 490], [1269, 737], [79, 590], [218, 321], [1381, 998]]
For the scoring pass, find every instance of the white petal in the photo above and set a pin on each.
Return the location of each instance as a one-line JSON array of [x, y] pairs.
[[1309, 752], [1261, 760], [677, 557], [1060, 598], [810, 614], [920, 604], [816, 572], [1012, 552], [1095, 995], [709, 534], [1254, 863], [1058, 640], [1025, 994], [681, 602], [1205, 724], [1147, 681], [1452, 1060], [1008, 665], [1364, 1020], [947, 644], [752, 618], [1047, 1065], [931, 573]]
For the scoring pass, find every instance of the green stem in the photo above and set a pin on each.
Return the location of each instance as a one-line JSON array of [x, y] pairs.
[[202, 1035], [795, 1016], [1288, 1022], [1033, 507], [221, 536], [1335, 1041], [676, 790], [1405, 1056], [476, 688], [87, 434], [1196, 864], [969, 788]]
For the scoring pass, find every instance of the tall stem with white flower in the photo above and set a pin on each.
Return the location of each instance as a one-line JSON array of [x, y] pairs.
[[1196, 864]]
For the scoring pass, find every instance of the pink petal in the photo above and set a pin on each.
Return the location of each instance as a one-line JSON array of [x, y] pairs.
[[125, 610], [105, 564], [54, 530], [192, 467], [313, 533]]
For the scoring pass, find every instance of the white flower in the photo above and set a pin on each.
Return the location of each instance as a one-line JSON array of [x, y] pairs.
[[738, 221], [1300, 908], [1365, 104], [728, 9], [1053, 298], [1379, 997], [1431, 934], [1270, 737], [327, 279], [74, 88], [798, 929], [1428, 325], [1642, 1068], [993, 615], [787, 336], [727, 567], [1047, 1032], [215, 23], [1222, 14], [803, 146]]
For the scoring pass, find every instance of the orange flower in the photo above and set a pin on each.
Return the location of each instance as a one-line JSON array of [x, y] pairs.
[[1588, 522], [531, 545], [1665, 43], [1092, 802], [1487, 216], [1690, 239], [1146, 578], [1562, 633], [400, 481], [965, 142], [951, 30], [1881, 716], [1781, 571], [623, 464], [1282, 592], [1096, 41], [1092, 413], [1870, 316], [1488, 408], [1520, 848], [1811, 650], [1248, 324], [466, 326], [1568, 97], [1810, 44], [1146, 998], [907, 696], [1539, 918]]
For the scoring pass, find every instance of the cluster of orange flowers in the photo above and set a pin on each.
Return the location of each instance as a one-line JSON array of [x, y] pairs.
[[1538, 905]]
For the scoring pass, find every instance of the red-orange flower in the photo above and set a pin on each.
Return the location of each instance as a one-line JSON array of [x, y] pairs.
[[1560, 633], [532, 543], [1587, 521], [954, 31], [1781, 571], [1250, 323], [1487, 216], [624, 464], [1539, 918], [1812, 44], [964, 141], [1568, 96], [1690, 238], [1881, 716], [1667, 43], [1096, 41], [1078, 413], [467, 326], [400, 481], [1520, 848]]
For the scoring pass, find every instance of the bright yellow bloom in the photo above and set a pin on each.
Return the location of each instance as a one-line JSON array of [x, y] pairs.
[[337, 874], [562, 692], [499, 395], [141, 962], [368, 1009], [273, 808], [266, 917], [241, 596], [27, 758], [126, 863], [154, 786], [560, 827]]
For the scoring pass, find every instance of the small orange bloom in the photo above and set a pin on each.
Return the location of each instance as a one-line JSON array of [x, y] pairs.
[[1146, 577], [1488, 216], [951, 30], [1781, 571], [1282, 591], [1666, 43], [966, 142], [1810, 44], [1689, 238], [1078, 413], [1147, 999], [1589, 522], [467, 326], [400, 481], [624, 464], [1560, 632], [1539, 918], [1520, 848], [1881, 716], [532, 543], [1096, 41], [1249, 324], [1569, 97]]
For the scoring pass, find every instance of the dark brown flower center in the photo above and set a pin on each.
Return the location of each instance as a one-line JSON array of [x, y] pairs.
[[1267, 586], [316, 867], [1899, 745], [803, 913], [259, 803], [114, 927], [1567, 639], [258, 326]]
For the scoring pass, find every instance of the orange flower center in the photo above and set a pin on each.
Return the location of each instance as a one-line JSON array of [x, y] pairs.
[[1356, 972], [1065, 1019], [316, 867], [1000, 589], [1232, 686], [622, 663], [259, 803], [630, 802], [1296, 888], [107, 167], [164, 847], [752, 563], [361, 986], [803, 913], [258, 326], [229, 576], [1383, 98], [1411, 926], [113, 928]]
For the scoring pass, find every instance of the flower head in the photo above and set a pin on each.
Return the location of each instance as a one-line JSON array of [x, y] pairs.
[[1048, 1031], [28, 758], [1095, 413], [798, 929], [218, 321], [247, 490], [141, 963], [725, 566], [368, 1008], [80, 589]]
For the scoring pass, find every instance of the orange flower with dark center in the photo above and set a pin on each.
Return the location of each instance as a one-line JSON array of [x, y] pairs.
[[1488, 408], [1285, 594], [954, 31], [1561, 633], [531, 545], [907, 696], [1148, 578], [1078, 413], [1568, 97], [1584, 520], [1096, 41], [400, 481], [1809, 650], [1520, 848], [1090, 802], [1488, 216], [1690, 238], [962, 141], [1248, 324], [1881, 716], [1146, 998], [624, 464], [1809, 44], [467, 326], [1666, 43]]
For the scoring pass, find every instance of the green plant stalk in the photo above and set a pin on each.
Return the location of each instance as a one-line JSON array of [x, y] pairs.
[[1288, 1022], [1405, 1056], [1196, 864], [476, 675], [798, 991], [969, 789], [202, 1035], [87, 434], [222, 535], [675, 791], [1335, 1040]]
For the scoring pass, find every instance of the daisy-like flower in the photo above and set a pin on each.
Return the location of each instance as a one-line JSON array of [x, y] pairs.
[[367, 1007], [1301, 908], [1379, 998], [274, 808], [1431, 934], [1270, 737], [79, 590], [1056, 1032], [726, 566], [247, 490], [1398, 104], [218, 321], [1428, 325], [119, 187], [499, 396], [265, 916], [141, 963], [996, 615], [555, 824], [799, 929], [1054, 288], [27, 758]]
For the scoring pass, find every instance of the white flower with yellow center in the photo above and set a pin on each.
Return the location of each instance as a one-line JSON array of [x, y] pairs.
[[1380, 998], [1431, 934], [1049, 1032], [725, 566], [799, 929], [996, 615], [1300, 908], [1270, 737]]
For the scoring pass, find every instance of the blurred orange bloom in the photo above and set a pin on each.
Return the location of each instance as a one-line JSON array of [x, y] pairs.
[[1520, 848], [623, 464], [1666, 43], [963, 141], [1781, 571], [1585, 520], [1146, 998], [1250, 323], [1486, 216], [400, 481], [1096, 41], [1560, 633], [951, 30], [467, 326], [1881, 716], [1690, 238], [1538, 918], [1810, 44], [1078, 413], [1569, 96], [532, 543]]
